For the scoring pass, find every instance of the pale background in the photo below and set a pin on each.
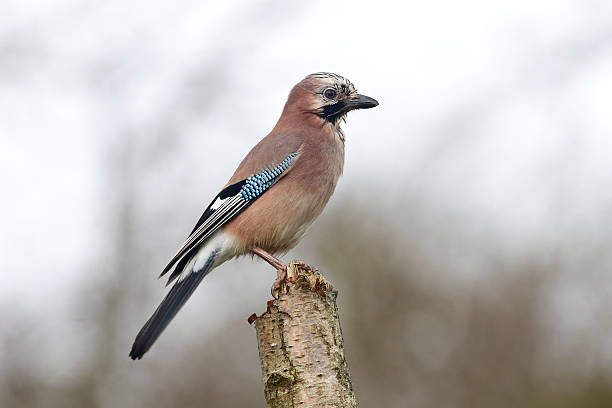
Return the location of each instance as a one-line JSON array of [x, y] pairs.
[[469, 238]]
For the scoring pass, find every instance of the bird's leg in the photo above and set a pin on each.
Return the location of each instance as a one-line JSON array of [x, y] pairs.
[[269, 258], [277, 264]]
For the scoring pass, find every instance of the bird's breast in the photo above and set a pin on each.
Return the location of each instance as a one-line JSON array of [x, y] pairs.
[[278, 219]]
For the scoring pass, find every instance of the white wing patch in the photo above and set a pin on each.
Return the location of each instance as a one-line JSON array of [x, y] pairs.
[[218, 203]]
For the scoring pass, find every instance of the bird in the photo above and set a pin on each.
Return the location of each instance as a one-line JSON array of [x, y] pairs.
[[277, 191]]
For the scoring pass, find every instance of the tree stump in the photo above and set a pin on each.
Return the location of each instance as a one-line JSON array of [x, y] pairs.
[[301, 347]]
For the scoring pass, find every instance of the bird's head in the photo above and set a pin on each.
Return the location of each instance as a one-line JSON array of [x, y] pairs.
[[328, 96]]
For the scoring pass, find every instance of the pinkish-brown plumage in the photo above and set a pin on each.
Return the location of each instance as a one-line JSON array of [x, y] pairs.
[[278, 210], [299, 196]]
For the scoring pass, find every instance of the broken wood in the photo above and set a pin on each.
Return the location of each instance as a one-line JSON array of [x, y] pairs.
[[301, 347]]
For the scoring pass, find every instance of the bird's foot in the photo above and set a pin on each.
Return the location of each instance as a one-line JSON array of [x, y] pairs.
[[281, 279], [280, 266]]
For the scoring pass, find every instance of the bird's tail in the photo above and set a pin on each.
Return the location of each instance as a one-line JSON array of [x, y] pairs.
[[169, 307]]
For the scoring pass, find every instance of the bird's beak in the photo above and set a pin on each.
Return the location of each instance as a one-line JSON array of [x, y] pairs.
[[360, 102]]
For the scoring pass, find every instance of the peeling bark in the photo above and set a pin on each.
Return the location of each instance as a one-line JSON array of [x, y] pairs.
[[301, 347]]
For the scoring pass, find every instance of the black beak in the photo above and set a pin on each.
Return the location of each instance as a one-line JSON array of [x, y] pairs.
[[360, 102], [333, 112]]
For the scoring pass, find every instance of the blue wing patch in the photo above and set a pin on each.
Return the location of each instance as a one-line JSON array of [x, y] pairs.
[[256, 185]]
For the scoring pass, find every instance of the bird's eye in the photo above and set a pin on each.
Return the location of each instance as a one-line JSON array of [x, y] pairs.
[[330, 93]]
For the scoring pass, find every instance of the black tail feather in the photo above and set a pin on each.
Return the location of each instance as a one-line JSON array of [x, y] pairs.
[[169, 307]]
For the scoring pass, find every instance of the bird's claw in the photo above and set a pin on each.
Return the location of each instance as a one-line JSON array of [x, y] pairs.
[[281, 279]]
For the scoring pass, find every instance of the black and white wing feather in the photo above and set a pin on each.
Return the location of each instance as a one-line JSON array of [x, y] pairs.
[[226, 205]]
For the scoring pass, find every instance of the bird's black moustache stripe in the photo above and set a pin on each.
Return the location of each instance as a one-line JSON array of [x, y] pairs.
[[333, 112]]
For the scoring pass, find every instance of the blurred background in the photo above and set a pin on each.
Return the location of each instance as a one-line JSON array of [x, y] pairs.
[[469, 238]]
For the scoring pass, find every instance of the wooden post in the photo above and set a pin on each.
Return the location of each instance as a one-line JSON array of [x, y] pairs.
[[301, 347]]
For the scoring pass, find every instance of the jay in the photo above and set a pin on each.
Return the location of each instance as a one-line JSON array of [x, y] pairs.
[[276, 192]]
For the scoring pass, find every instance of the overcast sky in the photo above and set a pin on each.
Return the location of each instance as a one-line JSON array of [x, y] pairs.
[[496, 112]]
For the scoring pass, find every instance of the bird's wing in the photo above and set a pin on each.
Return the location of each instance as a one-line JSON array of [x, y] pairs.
[[230, 202]]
